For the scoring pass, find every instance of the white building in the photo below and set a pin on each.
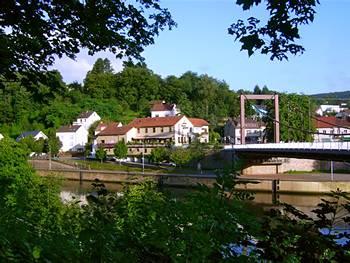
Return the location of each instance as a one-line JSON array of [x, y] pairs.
[[200, 129], [87, 118], [35, 134], [254, 131], [324, 109], [73, 137], [331, 129], [163, 109], [1, 136]]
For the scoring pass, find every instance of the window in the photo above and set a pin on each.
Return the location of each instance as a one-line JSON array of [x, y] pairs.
[[345, 131], [170, 129], [154, 130], [146, 130], [137, 149], [157, 115], [324, 131], [145, 150], [179, 140], [102, 141], [138, 130], [162, 129]]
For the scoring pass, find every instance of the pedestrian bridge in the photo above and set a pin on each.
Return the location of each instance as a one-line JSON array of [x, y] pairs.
[[337, 151]]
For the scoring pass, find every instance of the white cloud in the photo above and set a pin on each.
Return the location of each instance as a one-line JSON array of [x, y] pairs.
[[75, 70]]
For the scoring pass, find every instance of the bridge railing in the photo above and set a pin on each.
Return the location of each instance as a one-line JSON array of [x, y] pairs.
[[340, 146]]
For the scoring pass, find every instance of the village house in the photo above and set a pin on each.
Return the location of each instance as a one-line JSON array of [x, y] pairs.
[[35, 134], [103, 125], [329, 109], [72, 137], [144, 134], [332, 129], [163, 109], [111, 135], [200, 129], [87, 118], [254, 131]]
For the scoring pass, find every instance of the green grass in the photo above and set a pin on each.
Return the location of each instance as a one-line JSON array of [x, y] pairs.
[[97, 165]]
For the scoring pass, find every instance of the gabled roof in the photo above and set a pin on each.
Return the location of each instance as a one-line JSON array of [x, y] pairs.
[[85, 114], [331, 122], [113, 129], [249, 123], [155, 122], [161, 106], [102, 126], [69, 128], [27, 133], [198, 122]]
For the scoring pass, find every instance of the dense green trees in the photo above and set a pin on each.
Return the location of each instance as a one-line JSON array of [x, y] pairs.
[[145, 224], [127, 94], [32, 34], [279, 34]]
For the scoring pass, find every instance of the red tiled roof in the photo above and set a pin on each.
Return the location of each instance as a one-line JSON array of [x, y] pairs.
[[330, 122], [198, 122], [112, 129], [155, 122], [161, 106], [103, 125]]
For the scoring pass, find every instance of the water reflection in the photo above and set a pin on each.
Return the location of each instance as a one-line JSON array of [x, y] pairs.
[[303, 202]]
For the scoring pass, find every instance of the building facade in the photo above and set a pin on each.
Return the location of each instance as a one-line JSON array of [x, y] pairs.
[[73, 138], [332, 129], [163, 109], [87, 118], [254, 131], [142, 135]]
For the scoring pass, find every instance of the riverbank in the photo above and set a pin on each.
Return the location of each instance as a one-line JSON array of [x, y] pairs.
[[283, 183]]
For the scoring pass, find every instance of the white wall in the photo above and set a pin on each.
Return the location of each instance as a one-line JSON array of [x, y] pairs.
[[73, 141], [87, 122], [202, 133], [183, 131], [161, 114]]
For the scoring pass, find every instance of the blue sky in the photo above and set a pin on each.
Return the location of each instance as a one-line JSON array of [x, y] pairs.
[[201, 44]]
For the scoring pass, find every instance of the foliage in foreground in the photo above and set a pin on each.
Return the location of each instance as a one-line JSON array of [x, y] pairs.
[[145, 224]]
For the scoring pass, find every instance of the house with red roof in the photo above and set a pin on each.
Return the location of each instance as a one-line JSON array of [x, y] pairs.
[[200, 129], [163, 109], [144, 134], [112, 134], [331, 128]]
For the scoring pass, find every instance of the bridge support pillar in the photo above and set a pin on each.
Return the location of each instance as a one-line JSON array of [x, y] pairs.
[[275, 189]]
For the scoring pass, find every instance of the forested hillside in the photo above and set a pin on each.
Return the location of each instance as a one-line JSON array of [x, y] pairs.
[[50, 103]]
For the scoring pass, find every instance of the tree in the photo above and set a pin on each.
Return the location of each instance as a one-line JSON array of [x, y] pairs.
[[278, 36], [52, 144], [296, 123], [120, 150], [101, 154], [159, 154], [32, 34], [180, 156], [99, 82]]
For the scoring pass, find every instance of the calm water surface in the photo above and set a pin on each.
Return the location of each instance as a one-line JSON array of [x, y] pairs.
[[303, 202]]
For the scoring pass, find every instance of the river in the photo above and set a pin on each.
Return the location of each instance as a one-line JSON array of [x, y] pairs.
[[303, 202]]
